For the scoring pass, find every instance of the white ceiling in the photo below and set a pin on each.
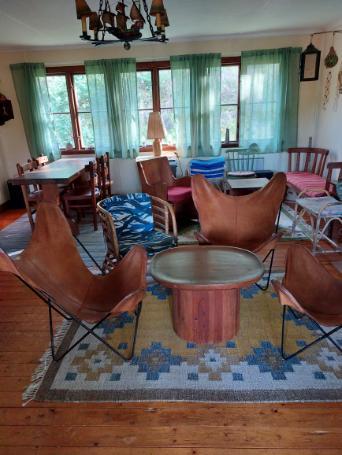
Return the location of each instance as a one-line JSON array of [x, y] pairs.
[[39, 23]]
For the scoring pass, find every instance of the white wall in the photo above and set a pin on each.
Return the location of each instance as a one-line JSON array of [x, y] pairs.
[[13, 145], [329, 118]]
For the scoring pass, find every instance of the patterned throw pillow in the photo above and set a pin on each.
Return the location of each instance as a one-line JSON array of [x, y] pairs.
[[131, 213]]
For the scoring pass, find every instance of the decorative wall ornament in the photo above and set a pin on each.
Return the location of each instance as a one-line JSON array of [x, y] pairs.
[[6, 111], [326, 93], [339, 81], [309, 63], [331, 59], [310, 59]]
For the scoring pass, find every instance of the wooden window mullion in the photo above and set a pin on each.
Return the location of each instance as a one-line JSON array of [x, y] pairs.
[[73, 111], [155, 90]]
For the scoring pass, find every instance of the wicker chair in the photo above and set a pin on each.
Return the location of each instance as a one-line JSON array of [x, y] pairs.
[[136, 219]]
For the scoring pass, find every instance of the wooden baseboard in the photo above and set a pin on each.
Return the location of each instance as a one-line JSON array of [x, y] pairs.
[[5, 206]]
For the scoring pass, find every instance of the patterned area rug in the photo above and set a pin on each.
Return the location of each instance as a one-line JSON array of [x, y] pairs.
[[248, 368]]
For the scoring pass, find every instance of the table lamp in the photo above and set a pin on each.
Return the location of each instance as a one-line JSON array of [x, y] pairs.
[[155, 130]]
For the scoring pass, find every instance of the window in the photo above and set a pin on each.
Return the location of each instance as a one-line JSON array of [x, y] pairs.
[[70, 107], [70, 104], [230, 76], [155, 94]]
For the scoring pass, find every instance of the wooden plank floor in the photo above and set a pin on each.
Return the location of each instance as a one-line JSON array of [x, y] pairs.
[[141, 428]]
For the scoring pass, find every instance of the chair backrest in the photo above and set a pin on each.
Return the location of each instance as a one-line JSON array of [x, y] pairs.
[[334, 179], [132, 213], [241, 221], [154, 171], [240, 160], [41, 161], [23, 169], [212, 168], [103, 171], [315, 289], [306, 159], [51, 261]]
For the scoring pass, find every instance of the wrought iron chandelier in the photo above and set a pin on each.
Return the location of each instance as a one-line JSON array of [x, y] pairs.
[[125, 29]]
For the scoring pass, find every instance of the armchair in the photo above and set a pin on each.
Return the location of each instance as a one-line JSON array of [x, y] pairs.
[[305, 170], [136, 219], [309, 290], [53, 269], [247, 221], [157, 180]]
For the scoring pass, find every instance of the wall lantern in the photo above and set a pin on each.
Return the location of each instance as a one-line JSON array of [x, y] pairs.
[[309, 63]]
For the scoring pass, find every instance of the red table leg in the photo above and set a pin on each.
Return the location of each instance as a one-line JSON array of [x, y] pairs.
[[206, 316]]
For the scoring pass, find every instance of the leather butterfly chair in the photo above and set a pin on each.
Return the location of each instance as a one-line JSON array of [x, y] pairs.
[[242, 221], [309, 290], [53, 269], [157, 180]]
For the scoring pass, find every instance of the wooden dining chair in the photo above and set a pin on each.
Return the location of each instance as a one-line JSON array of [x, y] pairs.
[[40, 161], [53, 269], [104, 180], [84, 195], [31, 193]]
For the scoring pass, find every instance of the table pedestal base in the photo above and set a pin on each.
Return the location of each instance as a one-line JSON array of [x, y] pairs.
[[205, 316]]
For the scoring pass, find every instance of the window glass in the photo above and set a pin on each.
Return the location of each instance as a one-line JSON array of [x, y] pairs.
[[83, 110], [229, 102], [59, 105], [145, 104]]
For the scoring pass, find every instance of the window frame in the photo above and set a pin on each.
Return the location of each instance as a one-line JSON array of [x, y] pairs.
[[69, 72], [233, 61], [154, 67]]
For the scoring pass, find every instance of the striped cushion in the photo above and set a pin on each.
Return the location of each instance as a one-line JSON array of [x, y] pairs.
[[212, 168], [299, 181]]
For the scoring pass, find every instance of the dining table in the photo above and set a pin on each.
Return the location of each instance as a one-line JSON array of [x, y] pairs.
[[60, 172]]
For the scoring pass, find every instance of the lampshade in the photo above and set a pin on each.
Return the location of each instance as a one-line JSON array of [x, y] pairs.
[[157, 7], [82, 9], [155, 129]]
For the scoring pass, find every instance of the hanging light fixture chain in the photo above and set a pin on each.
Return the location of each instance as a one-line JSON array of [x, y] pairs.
[[148, 17]]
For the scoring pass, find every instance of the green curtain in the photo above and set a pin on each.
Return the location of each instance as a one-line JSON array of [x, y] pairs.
[[33, 98], [269, 94], [114, 106], [196, 85]]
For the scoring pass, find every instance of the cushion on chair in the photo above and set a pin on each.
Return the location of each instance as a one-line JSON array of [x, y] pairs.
[[302, 180], [212, 168], [132, 213], [178, 193], [153, 242]]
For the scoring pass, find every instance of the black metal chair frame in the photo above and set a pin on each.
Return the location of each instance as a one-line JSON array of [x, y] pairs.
[[271, 252], [46, 298], [317, 340]]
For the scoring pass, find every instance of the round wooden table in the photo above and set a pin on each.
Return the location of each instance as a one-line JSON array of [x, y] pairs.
[[206, 282]]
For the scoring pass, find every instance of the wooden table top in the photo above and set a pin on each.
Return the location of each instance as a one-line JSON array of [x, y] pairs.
[[64, 170], [245, 184], [205, 267]]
